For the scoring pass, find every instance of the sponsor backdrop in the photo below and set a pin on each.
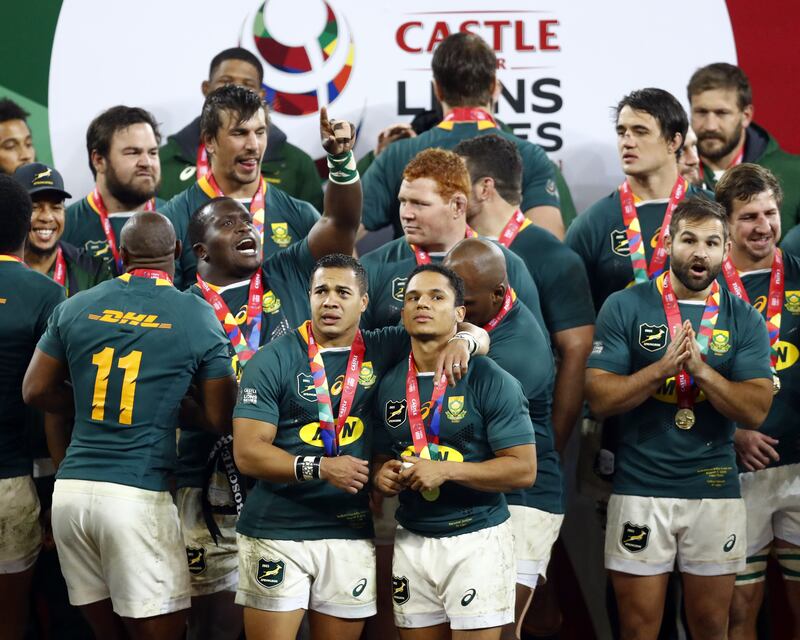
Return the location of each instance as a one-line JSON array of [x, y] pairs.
[[562, 65]]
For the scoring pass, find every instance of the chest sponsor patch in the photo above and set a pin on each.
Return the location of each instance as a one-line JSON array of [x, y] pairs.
[[619, 243], [305, 387], [399, 288], [395, 413], [652, 337], [788, 355], [352, 430], [634, 537]]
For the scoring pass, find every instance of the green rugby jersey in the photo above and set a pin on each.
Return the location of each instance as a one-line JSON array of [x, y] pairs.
[[781, 423], [284, 165], [791, 242], [27, 299], [598, 236], [83, 229], [286, 221], [560, 278], [277, 388], [656, 458], [388, 268], [382, 181], [518, 345], [285, 305], [133, 346], [485, 412], [83, 270]]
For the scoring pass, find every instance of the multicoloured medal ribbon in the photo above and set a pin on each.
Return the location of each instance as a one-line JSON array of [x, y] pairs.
[[684, 418], [153, 274], [95, 201], [423, 257], [202, 167], [641, 272], [774, 305], [481, 117], [508, 301], [60, 270], [737, 159], [7, 257], [210, 187], [424, 447], [514, 225], [328, 431], [244, 345]]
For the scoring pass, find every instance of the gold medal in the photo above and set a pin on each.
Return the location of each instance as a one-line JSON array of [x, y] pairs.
[[776, 384], [684, 419], [432, 495]]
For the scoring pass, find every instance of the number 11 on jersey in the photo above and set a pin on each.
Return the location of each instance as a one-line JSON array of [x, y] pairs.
[[103, 360]]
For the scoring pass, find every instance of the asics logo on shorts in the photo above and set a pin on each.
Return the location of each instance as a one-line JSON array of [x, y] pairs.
[[469, 596], [729, 543], [359, 588]]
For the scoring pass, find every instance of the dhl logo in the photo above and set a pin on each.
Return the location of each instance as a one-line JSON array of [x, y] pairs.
[[445, 453], [352, 430], [112, 316]]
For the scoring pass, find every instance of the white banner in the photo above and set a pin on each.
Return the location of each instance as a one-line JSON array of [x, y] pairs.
[[563, 66]]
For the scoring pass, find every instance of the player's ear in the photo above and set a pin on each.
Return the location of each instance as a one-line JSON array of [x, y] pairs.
[[458, 204], [205, 87], [364, 302], [199, 250], [461, 313]]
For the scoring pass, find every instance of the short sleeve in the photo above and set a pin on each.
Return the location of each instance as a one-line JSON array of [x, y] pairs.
[[261, 387], [538, 179], [522, 282], [392, 344], [307, 215], [295, 263], [752, 358], [504, 408], [212, 347], [55, 295], [611, 349], [51, 342], [378, 192]]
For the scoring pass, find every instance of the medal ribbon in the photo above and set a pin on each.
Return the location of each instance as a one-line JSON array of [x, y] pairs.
[[202, 162], [60, 270], [512, 228], [419, 435], [244, 345], [483, 118], [508, 302], [7, 257], [153, 274], [423, 257], [686, 394], [328, 431], [96, 202], [737, 159], [774, 299], [633, 229], [210, 187]]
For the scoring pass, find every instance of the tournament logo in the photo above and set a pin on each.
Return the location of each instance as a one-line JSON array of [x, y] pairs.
[[619, 243], [359, 588], [269, 573], [306, 74], [280, 234], [197, 560], [401, 592], [367, 377], [652, 337], [270, 303], [720, 342], [455, 409], [395, 413], [792, 301], [634, 537], [399, 288], [305, 387]]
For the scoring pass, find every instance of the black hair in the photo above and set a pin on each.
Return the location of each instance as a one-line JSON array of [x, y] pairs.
[[15, 214], [464, 67], [697, 209], [240, 102], [342, 261], [721, 75], [10, 110], [102, 129], [663, 106], [236, 53], [497, 158], [745, 181], [456, 283], [198, 221]]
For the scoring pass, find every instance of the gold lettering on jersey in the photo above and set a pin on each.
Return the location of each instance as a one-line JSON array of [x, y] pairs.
[[353, 430], [666, 393], [445, 453], [3, 300], [113, 316], [788, 354]]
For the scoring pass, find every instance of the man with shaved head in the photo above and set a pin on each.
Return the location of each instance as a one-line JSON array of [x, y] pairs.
[[130, 348], [519, 346]]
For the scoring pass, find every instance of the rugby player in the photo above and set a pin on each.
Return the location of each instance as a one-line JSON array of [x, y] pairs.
[[453, 568], [16, 141], [679, 360], [130, 347]]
